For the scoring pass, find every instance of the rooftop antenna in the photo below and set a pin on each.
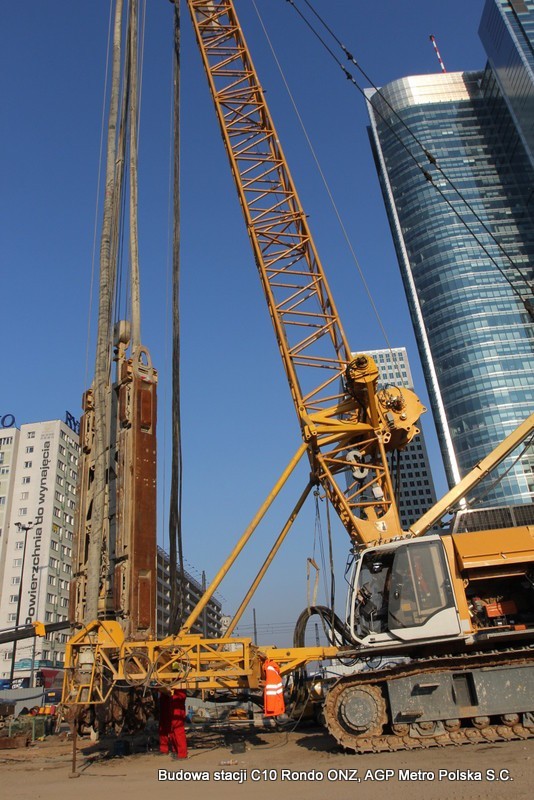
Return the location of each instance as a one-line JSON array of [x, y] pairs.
[[442, 65]]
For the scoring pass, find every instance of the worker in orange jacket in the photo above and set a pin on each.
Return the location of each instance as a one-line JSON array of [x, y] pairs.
[[273, 693], [172, 715]]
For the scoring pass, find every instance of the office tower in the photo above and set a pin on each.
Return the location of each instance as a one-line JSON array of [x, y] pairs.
[[465, 296], [416, 492], [507, 33]]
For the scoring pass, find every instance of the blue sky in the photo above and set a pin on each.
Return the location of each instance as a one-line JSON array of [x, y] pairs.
[[239, 429]]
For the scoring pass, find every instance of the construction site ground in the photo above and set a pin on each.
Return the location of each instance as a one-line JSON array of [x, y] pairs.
[[298, 764]]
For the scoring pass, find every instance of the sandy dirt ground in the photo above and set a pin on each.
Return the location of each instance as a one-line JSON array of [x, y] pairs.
[[303, 765]]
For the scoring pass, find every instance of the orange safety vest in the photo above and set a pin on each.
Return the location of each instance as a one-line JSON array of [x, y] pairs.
[[273, 694]]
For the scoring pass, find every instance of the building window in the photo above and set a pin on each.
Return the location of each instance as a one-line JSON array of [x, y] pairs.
[[4, 471], [57, 512], [23, 512], [19, 545], [17, 562], [15, 580], [53, 562], [12, 617], [29, 449], [30, 435], [6, 440], [13, 598], [2, 501], [26, 479], [27, 465], [51, 580], [54, 545], [24, 495]]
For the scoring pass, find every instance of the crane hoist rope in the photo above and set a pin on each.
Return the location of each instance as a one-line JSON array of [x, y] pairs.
[[97, 198], [94, 565], [176, 554]]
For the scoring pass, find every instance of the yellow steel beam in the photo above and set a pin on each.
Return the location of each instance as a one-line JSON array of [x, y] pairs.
[[98, 657], [210, 591], [478, 473], [266, 564]]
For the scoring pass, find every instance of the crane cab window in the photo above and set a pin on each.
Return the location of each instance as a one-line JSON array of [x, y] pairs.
[[420, 586], [373, 595]]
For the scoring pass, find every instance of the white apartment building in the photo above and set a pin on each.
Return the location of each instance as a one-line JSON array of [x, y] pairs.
[[39, 465], [416, 491], [9, 438]]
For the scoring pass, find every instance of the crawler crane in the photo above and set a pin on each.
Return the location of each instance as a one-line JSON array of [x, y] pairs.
[[458, 608]]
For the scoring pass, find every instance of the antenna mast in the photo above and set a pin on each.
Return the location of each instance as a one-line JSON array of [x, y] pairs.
[[442, 65]]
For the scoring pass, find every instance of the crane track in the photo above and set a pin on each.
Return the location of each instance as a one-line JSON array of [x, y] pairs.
[[372, 683], [391, 743]]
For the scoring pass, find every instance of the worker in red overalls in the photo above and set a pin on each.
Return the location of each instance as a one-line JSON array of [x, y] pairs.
[[273, 693], [172, 724]]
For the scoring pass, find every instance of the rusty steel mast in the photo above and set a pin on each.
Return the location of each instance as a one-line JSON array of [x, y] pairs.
[[114, 572]]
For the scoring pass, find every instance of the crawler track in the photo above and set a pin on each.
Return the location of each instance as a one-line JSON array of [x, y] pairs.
[[368, 691], [392, 743]]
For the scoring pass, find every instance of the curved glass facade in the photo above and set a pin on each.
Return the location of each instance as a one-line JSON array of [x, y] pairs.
[[474, 334], [507, 33]]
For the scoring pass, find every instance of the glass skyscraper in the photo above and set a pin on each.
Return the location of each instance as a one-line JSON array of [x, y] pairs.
[[465, 287], [415, 490], [507, 33]]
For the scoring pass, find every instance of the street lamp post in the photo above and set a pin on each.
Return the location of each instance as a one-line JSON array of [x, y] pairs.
[[24, 528]]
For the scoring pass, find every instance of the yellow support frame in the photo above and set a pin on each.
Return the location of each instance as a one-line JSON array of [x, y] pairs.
[[98, 658]]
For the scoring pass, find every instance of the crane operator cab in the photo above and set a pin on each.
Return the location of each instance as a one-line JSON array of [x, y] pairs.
[[402, 591]]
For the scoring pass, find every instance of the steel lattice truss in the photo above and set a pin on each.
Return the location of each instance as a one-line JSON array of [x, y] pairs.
[[310, 337], [306, 322]]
